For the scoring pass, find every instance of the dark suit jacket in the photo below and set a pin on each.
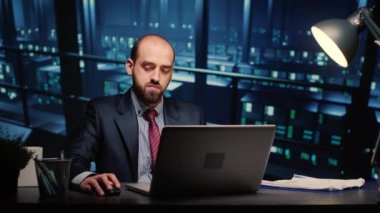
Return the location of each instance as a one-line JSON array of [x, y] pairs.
[[108, 134]]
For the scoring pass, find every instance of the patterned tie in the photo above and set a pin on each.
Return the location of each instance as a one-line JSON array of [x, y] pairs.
[[154, 134]]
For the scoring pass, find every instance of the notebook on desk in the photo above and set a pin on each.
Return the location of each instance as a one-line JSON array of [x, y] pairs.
[[202, 159]]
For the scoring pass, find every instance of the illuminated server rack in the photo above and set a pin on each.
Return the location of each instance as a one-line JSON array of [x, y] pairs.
[[374, 101], [310, 131], [117, 84], [7, 76], [48, 80]]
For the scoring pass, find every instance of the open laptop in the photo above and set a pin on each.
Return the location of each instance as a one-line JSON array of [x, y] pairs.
[[205, 160]]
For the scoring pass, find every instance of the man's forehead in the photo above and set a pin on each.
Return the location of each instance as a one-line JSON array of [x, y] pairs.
[[154, 47], [153, 40], [151, 53]]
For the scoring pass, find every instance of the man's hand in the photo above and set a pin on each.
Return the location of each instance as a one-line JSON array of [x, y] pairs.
[[97, 184]]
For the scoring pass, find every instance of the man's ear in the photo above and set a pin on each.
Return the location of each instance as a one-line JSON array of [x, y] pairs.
[[129, 66]]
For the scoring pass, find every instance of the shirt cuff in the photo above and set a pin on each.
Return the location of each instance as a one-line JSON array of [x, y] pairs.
[[79, 178]]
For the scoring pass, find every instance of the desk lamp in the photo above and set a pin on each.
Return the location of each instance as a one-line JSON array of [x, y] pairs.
[[339, 37]]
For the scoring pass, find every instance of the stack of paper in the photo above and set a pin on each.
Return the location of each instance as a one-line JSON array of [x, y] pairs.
[[305, 182]]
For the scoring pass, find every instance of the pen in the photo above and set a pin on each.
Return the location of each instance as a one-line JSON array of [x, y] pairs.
[[62, 155]]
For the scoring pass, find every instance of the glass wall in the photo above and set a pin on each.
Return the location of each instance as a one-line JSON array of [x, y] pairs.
[[263, 66], [114, 29], [34, 30], [307, 117]]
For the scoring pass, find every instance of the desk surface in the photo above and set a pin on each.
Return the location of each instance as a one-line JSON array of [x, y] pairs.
[[265, 197]]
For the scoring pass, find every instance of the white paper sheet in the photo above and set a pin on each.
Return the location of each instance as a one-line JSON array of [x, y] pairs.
[[311, 183]]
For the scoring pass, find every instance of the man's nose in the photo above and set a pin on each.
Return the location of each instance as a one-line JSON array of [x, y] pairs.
[[155, 77]]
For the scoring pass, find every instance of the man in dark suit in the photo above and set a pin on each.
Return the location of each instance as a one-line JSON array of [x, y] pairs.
[[115, 131]]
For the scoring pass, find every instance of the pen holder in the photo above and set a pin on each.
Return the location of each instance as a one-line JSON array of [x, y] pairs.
[[53, 176]]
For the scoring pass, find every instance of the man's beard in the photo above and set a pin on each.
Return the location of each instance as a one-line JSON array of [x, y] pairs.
[[146, 97], [151, 97]]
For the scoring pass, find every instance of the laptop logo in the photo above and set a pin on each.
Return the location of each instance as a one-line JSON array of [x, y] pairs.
[[213, 160]]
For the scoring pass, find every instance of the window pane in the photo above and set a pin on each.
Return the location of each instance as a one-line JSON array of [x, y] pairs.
[[120, 24], [46, 112]]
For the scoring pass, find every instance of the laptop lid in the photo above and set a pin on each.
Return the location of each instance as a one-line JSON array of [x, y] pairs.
[[200, 159]]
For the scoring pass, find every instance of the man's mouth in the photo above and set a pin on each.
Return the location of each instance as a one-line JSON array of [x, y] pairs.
[[153, 86]]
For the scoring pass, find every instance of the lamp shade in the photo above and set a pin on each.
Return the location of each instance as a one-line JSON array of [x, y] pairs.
[[338, 38]]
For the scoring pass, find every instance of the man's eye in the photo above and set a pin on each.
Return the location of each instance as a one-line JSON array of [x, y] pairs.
[[166, 69], [148, 67]]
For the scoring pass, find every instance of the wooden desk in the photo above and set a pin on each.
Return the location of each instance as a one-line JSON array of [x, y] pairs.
[[363, 198]]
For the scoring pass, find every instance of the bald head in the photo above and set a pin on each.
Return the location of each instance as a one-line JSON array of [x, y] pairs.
[[151, 38]]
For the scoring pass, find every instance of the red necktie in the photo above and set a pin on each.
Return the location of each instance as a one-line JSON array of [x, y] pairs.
[[154, 134]]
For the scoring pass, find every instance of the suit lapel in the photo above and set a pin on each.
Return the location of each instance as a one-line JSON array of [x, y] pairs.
[[128, 127], [171, 114]]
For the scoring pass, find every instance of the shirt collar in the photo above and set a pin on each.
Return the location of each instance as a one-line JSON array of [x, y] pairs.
[[140, 107]]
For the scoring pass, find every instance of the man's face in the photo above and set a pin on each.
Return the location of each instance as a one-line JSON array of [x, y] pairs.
[[152, 70]]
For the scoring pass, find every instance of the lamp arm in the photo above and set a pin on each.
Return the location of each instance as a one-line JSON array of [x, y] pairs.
[[373, 28], [375, 151]]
